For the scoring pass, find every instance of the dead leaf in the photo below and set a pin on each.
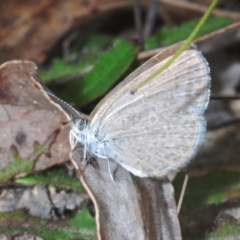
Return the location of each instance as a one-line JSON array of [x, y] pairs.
[[131, 207], [30, 30], [30, 126]]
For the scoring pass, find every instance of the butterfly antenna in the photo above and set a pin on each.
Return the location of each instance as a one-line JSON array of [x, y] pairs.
[[60, 100], [62, 103]]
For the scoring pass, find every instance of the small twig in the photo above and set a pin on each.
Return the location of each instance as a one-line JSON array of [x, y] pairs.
[[184, 46], [138, 18], [66, 46], [201, 8], [233, 28], [227, 39], [69, 78], [182, 193], [149, 53], [225, 97], [166, 16], [224, 123], [151, 17]]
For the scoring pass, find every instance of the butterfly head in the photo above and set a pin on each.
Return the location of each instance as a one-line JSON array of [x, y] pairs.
[[79, 124]]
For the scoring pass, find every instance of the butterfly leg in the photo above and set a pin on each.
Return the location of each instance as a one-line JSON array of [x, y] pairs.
[[73, 139], [108, 163], [84, 154], [110, 172]]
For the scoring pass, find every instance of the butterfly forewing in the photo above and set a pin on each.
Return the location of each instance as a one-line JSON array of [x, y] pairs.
[[159, 127]]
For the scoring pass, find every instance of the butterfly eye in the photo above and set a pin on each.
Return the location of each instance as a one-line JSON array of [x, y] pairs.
[[81, 123]]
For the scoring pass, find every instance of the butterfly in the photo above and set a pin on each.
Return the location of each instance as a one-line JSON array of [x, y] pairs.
[[156, 129]]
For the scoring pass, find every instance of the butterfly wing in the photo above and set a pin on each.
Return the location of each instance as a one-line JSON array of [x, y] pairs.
[[158, 128]]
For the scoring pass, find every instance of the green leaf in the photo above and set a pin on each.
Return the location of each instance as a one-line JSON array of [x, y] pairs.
[[81, 226], [86, 54], [56, 177], [167, 36], [83, 219], [18, 165], [107, 70], [92, 48], [225, 230], [60, 69]]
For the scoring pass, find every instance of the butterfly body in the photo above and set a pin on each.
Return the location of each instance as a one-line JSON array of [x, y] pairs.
[[82, 133]]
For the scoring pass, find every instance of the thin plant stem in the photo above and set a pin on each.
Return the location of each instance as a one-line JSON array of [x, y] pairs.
[[181, 49]]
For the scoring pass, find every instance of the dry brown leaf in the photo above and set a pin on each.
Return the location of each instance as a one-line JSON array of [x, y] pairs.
[[131, 207], [30, 30], [27, 118]]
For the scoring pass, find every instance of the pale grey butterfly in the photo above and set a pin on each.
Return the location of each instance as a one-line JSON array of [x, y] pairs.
[[158, 128]]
